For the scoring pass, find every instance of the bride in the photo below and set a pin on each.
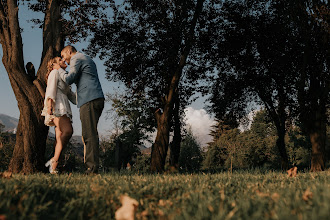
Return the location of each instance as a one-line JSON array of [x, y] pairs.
[[57, 110]]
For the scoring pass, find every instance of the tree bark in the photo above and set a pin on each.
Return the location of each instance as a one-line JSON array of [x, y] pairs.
[[280, 143], [279, 117], [29, 150], [313, 101], [160, 147], [317, 134]]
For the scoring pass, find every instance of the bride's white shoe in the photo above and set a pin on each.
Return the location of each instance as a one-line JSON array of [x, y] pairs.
[[50, 165]]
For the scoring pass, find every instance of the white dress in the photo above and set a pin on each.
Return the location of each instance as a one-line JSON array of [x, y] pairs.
[[60, 93]]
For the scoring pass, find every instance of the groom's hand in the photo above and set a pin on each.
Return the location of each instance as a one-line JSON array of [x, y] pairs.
[[56, 66]]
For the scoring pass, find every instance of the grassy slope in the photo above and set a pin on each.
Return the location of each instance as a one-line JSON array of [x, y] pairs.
[[242, 195]]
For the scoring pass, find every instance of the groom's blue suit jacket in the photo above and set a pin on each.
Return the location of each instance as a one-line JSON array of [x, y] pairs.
[[83, 73]]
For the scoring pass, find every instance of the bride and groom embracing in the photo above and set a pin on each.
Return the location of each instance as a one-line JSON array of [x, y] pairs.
[[89, 98]]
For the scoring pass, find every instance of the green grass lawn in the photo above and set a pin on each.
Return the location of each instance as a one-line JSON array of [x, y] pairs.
[[241, 195]]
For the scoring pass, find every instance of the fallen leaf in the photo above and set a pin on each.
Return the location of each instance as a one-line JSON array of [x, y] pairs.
[[161, 202], [128, 208], [231, 213], [275, 197], [3, 217], [160, 213], [164, 203], [144, 213], [307, 195], [97, 188], [261, 194], [292, 172], [210, 208], [7, 174]]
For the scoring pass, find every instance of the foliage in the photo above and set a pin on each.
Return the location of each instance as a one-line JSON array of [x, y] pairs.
[[275, 54], [134, 123], [7, 143], [143, 45], [190, 153], [134, 117], [241, 195], [107, 154], [79, 17], [221, 150], [235, 149], [299, 148], [2, 127], [142, 163]]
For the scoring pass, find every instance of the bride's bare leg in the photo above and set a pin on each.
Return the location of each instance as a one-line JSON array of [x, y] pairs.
[[63, 131]]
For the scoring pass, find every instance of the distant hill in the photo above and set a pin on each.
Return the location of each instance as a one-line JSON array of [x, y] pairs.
[[10, 123], [145, 150], [76, 139]]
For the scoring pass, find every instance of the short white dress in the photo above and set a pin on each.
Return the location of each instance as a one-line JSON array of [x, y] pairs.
[[60, 93]]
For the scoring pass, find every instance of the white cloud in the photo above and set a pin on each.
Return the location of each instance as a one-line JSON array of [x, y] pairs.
[[200, 123]]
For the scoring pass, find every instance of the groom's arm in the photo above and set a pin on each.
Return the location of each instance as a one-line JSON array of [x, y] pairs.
[[71, 76]]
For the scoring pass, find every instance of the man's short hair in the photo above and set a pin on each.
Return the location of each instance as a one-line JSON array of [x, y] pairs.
[[70, 48]]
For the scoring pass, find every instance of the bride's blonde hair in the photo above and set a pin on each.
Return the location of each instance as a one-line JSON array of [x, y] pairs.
[[50, 65]]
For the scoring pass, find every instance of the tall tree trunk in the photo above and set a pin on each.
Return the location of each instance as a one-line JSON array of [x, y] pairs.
[[317, 134], [29, 150], [160, 147], [280, 143], [176, 143], [279, 117], [313, 101], [280, 120]]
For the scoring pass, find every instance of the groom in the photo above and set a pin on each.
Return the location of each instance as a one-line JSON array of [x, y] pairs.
[[90, 100]]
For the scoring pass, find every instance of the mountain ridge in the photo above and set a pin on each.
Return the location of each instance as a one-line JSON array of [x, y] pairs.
[[9, 122]]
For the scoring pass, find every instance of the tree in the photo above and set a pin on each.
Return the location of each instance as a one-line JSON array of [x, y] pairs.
[[135, 123], [299, 147], [254, 63], [29, 88], [260, 141], [190, 153], [152, 46], [280, 61], [312, 82], [223, 133], [222, 151], [235, 149]]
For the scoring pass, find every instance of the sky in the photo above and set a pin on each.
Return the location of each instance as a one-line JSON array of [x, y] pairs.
[[196, 116]]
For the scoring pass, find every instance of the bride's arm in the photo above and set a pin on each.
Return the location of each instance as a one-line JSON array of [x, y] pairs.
[[50, 106], [51, 91]]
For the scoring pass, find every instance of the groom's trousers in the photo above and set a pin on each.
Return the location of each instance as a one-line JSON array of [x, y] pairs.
[[89, 115]]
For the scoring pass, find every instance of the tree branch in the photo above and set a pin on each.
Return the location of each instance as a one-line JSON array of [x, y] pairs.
[[53, 40], [4, 33], [16, 38], [189, 43]]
